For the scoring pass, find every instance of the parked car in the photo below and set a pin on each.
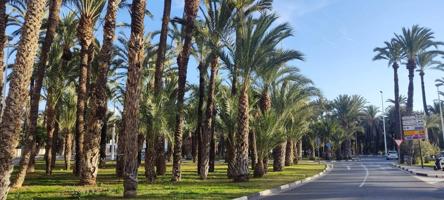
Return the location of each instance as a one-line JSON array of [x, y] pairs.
[[392, 155]]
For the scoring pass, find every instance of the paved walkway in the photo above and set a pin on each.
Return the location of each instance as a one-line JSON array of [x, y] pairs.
[[426, 171]]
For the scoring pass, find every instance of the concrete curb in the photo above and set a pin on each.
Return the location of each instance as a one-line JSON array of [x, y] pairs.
[[416, 173], [285, 187]]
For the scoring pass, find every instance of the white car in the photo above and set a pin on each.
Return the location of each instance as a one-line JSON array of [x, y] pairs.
[[392, 155]]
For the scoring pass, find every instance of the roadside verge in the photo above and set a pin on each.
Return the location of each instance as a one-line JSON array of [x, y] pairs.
[[427, 172], [286, 187]]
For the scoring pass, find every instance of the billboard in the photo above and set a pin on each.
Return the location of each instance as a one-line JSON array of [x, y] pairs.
[[413, 127]]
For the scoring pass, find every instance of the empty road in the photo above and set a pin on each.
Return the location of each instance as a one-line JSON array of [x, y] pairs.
[[370, 178]]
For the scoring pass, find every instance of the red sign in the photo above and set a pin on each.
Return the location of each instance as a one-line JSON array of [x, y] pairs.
[[398, 142]]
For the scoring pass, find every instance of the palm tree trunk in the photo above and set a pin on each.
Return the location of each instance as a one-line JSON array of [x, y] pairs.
[[241, 167], [160, 158], [279, 157], [55, 139], [289, 152], [150, 171], [162, 47], [98, 102], [397, 109], [231, 155], [209, 119], [213, 143], [265, 161], [190, 12], [50, 126], [19, 91], [121, 141], [161, 162], [295, 152], [253, 149], [85, 35], [132, 97], [424, 99], [53, 21], [102, 151], [3, 40], [411, 65], [200, 108], [259, 168], [68, 149]]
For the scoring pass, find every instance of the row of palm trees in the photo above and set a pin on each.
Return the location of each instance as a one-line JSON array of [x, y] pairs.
[[417, 47], [258, 108]]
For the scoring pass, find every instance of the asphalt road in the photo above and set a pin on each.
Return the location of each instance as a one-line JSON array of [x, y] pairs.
[[370, 178]]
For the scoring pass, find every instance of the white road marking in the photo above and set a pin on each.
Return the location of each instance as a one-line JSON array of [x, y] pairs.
[[348, 167], [366, 175]]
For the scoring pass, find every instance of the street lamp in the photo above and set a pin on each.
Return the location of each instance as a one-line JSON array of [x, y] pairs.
[[383, 121], [440, 109]]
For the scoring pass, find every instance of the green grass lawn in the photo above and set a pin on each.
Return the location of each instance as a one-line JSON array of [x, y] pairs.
[[62, 184]]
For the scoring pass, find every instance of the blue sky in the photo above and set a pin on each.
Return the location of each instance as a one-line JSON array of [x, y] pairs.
[[338, 38]]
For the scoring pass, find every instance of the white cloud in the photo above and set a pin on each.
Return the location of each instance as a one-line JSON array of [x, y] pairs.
[[289, 10]]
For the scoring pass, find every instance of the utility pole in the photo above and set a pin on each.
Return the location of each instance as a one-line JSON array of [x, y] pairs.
[[383, 121]]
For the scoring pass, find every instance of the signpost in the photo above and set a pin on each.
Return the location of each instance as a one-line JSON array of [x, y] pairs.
[[413, 127]]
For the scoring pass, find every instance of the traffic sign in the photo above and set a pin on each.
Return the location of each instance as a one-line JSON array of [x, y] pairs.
[[398, 142], [413, 127]]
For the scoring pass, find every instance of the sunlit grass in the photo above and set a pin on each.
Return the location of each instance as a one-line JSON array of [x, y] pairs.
[[62, 184]]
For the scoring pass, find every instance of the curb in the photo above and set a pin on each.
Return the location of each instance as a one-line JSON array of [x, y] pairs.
[[417, 173], [285, 187]]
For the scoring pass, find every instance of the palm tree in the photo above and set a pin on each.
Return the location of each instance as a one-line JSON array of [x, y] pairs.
[[414, 41], [217, 22], [67, 121], [53, 21], [89, 11], [392, 52], [3, 38], [190, 12], [161, 165], [131, 104], [424, 61], [371, 120], [18, 91], [256, 46], [348, 109], [99, 99]]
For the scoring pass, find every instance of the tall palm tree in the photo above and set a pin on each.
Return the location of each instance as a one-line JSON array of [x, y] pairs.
[[413, 41], [89, 11], [217, 23], [424, 61], [16, 100], [53, 21], [190, 12], [161, 166], [392, 52], [99, 99], [3, 38], [131, 105]]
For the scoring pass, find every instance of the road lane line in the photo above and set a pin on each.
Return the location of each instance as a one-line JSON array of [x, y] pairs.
[[366, 175]]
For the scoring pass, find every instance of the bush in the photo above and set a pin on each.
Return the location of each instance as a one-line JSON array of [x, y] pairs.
[[411, 149]]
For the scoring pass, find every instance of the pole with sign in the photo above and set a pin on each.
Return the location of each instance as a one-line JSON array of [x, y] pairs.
[[413, 127]]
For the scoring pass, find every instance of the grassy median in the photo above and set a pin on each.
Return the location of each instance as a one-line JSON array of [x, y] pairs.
[[62, 184]]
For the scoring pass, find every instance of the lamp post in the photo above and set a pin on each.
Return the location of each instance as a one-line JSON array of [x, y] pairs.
[[440, 110], [383, 121]]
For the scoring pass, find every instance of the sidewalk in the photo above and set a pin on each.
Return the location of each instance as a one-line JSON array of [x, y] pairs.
[[427, 171]]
